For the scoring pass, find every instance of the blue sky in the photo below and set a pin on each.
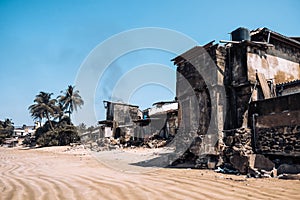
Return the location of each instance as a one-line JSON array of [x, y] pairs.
[[44, 43]]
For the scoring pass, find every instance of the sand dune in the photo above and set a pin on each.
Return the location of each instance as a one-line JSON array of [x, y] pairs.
[[52, 173]]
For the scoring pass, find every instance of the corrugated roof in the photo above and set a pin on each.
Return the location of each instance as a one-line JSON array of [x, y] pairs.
[[294, 82], [276, 35]]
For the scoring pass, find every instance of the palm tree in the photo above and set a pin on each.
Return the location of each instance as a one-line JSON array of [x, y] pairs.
[[60, 112], [8, 122], [70, 100], [44, 107]]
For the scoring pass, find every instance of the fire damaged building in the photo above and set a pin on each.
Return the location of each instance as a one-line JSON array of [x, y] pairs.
[[260, 112], [120, 119], [236, 106], [126, 120], [163, 117]]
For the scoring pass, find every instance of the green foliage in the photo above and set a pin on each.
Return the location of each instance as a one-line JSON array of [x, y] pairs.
[[54, 133], [64, 133], [70, 100], [44, 107], [6, 129]]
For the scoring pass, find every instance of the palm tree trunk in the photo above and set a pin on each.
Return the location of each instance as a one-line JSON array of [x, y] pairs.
[[51, 125]]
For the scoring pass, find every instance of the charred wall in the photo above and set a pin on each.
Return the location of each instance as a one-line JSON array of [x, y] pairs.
[[187, 72], [276, 64], [238, 88], [193, 95], [276, 125], [249, 70]]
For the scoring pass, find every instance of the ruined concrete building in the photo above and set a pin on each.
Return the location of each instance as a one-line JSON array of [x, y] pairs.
[[162, 119], [261, 75], [237, 102], [128, 120], [120, 119]]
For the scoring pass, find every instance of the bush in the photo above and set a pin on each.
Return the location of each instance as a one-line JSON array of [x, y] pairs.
[[59, 137], [64, 133], [6, 129]]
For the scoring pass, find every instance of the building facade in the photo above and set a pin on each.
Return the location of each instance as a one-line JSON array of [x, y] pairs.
[[252, 66]]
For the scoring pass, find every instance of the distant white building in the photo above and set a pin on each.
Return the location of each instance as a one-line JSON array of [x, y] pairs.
[[163, 107], [23, 131]]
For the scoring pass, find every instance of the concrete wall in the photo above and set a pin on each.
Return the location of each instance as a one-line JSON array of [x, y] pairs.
[[197, 115], [238, 88], [276, 125], [237, 65], [279, 69]]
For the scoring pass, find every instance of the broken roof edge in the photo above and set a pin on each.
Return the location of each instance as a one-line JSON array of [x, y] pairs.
[[181, 55], [295, 41], [295, 38], [276, 34], [120, 103], [164, 102], [187, 54], [105, 122]]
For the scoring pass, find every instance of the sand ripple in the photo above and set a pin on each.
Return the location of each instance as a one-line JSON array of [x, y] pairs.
[[37, 174]]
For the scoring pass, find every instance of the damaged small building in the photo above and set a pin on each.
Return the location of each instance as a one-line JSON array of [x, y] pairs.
[[128, 120], [162, 118], [120, 119], [260, 73]]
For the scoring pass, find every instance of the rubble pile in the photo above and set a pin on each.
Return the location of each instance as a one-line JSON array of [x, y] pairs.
[[156, 143], [278, 139], [186, 160], [127, 141], [107, 144], [76, 148], [238, 157]]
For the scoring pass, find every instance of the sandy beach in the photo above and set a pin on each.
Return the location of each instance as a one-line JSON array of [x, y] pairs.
[[63, 173]]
